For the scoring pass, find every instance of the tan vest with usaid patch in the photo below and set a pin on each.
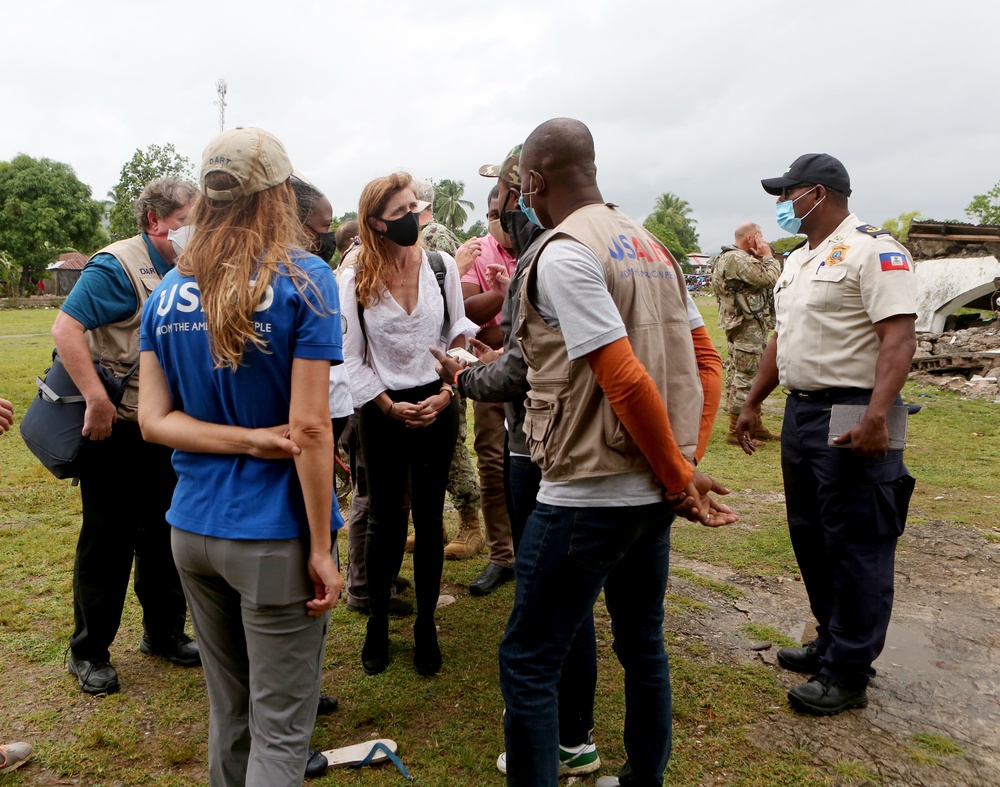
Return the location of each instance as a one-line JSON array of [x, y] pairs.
[[571, 429], [116, 345]]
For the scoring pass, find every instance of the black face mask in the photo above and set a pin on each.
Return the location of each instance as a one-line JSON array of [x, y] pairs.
[[403, 231], [521, 231], [326, 245]]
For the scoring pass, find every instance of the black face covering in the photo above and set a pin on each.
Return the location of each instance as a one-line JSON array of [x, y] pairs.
[[327, 245], [520, 230], [516, 225], [403, 231]]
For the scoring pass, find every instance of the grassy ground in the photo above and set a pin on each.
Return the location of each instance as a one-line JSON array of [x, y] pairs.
[[448, 728]]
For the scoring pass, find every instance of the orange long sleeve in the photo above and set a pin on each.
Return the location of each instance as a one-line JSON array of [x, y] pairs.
[[710, 371], [636, 401]]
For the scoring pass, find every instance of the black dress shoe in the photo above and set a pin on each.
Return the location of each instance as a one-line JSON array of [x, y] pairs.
[[805, 659], [327, 705], [96, 677], [426, 651], [179, 649], [375, 652], [316, 765], [823, 696], [492, 577]]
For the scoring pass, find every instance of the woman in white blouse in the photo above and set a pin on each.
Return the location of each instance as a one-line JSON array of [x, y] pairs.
[[408, 421]]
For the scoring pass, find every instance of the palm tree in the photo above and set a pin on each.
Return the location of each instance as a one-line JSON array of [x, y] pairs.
[[449, 207], [674, 213]]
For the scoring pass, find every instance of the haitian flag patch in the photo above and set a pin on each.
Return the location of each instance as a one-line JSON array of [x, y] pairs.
[[894, 261]]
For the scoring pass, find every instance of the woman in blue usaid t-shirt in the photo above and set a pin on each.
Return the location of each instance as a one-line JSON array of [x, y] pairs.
[[236, 350]]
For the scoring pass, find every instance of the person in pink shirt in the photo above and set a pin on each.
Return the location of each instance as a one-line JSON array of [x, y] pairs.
[[483, 290]]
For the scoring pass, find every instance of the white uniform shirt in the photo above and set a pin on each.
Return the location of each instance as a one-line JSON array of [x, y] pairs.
[[827, 300]]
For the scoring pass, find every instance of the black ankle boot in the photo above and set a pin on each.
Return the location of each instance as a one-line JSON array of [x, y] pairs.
[[426, 653], [375, 653]]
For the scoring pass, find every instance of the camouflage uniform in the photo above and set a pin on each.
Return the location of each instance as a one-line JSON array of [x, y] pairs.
[[437, 237], [463, 486], [744, 287]]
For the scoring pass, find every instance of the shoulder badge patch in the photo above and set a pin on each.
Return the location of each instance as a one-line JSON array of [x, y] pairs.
[[894, 261], [868, 229]]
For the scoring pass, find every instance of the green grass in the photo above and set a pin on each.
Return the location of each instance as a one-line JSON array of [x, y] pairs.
[[449, 727], [758, 631], [928, 748], [723, 589]]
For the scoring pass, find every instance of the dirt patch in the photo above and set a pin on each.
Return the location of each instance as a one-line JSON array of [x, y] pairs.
[[938, 675]]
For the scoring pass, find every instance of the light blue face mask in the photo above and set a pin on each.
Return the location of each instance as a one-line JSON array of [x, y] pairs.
[[785, 213], [529, 213]]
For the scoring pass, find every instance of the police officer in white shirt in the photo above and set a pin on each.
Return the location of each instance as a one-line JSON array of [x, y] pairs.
[[845, 307]]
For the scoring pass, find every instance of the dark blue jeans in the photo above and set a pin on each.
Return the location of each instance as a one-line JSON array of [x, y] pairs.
[[578, 680], [566, 556]]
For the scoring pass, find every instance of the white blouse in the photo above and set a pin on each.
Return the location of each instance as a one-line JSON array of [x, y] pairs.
[[397, 342]]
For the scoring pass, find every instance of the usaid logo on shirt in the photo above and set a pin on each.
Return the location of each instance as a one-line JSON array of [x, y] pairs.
[[185, 298]]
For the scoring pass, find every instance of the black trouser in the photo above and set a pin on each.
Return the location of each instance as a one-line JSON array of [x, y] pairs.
[[126, 491], [845, 514], [394, 454]]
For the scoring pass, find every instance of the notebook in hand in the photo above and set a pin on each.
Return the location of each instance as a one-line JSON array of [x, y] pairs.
[[844, 417]]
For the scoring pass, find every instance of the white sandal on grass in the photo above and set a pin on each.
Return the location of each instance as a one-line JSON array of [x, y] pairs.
[[367, 753]]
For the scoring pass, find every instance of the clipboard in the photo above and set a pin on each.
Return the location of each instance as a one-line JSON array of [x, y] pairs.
[[844, 417]]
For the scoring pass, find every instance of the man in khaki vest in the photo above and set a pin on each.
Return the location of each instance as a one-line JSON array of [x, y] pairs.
[[127, 485], [615, 418]]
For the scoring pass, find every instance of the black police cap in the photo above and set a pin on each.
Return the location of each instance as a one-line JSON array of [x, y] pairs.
[[818, 168]]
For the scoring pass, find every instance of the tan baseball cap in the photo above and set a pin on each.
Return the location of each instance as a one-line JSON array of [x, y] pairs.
[[256, 158]]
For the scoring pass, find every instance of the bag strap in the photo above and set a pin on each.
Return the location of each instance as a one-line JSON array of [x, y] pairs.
[[51, 396], [437, 265]]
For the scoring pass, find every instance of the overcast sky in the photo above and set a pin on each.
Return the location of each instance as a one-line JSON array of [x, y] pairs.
[[699, 98]]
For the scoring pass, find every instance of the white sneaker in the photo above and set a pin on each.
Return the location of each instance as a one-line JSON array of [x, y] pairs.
[[608, 781], [573, 761]]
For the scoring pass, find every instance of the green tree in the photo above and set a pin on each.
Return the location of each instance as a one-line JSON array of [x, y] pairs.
[[669, 238], [985, 208], [900, 226], [449, 207], [44, 211], [673, 213], [785, 245], [144, 166], [477, 230]]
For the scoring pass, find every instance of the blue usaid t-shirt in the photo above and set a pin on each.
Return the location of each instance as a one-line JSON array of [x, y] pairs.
[[239, 496]]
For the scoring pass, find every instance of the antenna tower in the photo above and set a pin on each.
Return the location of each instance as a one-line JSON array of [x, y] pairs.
[[220, 88]]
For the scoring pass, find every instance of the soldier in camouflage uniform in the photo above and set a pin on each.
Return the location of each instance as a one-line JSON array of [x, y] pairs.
[[743, 279], [463, 485]]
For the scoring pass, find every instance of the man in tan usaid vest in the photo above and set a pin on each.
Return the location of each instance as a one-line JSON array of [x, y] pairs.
[[615, 417], [127, 485]]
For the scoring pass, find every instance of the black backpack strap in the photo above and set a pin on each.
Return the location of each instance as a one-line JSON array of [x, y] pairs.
[[437, 265]]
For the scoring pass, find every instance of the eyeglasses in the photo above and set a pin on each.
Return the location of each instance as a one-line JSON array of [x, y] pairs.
[[786, 193]]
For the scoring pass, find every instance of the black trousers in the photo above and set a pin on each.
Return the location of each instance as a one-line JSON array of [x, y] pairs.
[[126, 491], [845, 515], [394, 454]]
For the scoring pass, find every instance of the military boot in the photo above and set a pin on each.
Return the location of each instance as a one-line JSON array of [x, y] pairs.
[[731, 436], [762, 431], [468, 540]]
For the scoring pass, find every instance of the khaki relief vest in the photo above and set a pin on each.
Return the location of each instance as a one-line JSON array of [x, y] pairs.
[[116, 345], [572, 430]]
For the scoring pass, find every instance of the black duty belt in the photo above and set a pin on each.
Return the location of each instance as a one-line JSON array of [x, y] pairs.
[[828, 394]]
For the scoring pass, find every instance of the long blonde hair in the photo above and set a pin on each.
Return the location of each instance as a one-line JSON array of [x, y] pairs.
[[374, 259], [235, 251]]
